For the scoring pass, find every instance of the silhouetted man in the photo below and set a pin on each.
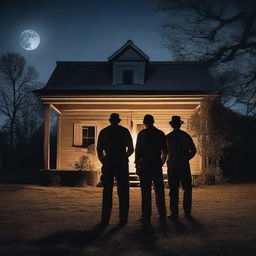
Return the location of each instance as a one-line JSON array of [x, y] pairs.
[[113, 148], [181, 149], [150, 155]]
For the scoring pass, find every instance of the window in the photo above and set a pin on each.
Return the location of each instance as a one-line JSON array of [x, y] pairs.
[[85, 134], [128, 77], [88, 136]]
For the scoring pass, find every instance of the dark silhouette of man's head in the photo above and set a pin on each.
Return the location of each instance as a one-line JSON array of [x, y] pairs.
[[148, 120], [176, 122], [114, 118]]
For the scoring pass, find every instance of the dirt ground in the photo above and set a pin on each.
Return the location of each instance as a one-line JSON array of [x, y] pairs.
[[37, 220]]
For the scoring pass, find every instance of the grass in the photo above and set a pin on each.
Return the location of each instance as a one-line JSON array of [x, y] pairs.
[[37, 220]]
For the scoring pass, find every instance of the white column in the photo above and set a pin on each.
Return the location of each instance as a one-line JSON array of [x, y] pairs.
[[47, 137]]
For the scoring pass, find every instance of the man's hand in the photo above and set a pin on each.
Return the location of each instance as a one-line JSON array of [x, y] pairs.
[[138, 172], [137, 166], [163, 157]]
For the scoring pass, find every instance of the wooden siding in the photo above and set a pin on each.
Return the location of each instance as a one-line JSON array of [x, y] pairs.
[[68, 154]]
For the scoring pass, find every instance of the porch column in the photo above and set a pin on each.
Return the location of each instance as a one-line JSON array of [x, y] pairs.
[[47, 137]]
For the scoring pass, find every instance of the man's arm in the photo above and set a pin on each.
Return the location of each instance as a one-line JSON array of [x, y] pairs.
[[164, 149], [168, 146], [130, 148], [100, 149], [192, 148], [138, 152]]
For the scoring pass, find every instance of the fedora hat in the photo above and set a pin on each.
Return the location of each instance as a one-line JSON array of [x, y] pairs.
[[114, 118], [176, 120]]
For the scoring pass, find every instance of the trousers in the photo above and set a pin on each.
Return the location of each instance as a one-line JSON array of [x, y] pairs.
[[180, 175], [119, 173], [147, 177]]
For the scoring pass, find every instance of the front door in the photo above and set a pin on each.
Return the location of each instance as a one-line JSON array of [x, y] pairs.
[[137, 127]]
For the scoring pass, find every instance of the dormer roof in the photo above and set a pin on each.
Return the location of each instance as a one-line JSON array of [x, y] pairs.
[[129, 51]]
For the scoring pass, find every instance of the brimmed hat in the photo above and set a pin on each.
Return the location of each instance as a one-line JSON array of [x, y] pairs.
[[176, 120], [114, 117], [148, 119]]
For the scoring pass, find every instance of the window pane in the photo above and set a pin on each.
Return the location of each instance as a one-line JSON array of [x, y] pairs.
[[128, 77], [85, 142], [85, 132], [91, 132], [90, 142], [88, 133]]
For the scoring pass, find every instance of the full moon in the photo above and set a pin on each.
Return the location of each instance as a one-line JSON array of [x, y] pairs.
[[29, 40]]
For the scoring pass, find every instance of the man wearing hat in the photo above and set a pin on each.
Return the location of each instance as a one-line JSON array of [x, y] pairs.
[[150, 155], [181, 149], [114, 147]]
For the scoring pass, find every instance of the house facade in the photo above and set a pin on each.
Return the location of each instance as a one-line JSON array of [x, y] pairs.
[[84, 94]]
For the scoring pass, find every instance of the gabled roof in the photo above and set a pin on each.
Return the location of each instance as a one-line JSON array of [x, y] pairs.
[[95, 78], [128, 45]]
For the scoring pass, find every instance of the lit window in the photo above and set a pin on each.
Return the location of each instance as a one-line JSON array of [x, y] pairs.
[[85, 134], [88, 136], [128, 77]]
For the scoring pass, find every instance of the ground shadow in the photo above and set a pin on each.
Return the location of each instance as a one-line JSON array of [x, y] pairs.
[[194, 223], [73, 238], [163, 227], [194, 226], [111, 232], [145, 236], [179, 227]]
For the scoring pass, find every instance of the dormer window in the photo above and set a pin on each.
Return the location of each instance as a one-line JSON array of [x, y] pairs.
[[129, 64], [128, 77]]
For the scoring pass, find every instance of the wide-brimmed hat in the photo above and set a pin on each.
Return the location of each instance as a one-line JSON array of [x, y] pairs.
[[176, 120], [148, 119], [114, 117]]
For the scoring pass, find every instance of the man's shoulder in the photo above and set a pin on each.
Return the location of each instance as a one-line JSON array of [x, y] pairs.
[[170, 134], [179, 133], [173, 133], [114, 129], [123, 129], [160, 132], [142, 132], [151, 132], [185, 134], [105, 129]]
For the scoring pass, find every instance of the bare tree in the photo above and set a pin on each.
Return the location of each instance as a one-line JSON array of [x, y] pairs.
[[16, 84], [222, 33]]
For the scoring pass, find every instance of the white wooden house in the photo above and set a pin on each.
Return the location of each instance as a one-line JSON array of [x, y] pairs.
[[84, 94]]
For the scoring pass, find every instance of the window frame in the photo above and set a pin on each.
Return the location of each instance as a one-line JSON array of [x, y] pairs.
[[78, 132]]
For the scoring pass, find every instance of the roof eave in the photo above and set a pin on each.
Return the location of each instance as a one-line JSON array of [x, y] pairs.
[[87, 93]]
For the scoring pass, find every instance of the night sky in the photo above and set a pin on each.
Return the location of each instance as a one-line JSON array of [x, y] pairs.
[[80, 30]]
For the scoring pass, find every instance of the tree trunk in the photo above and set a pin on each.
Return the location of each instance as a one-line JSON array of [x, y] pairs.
[[12, 135]]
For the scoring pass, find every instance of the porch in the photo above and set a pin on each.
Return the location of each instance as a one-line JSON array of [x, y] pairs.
[[81, 119]]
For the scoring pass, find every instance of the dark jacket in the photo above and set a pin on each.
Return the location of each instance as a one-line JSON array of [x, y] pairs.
[[181, 148], [114, 144], [150, 145]]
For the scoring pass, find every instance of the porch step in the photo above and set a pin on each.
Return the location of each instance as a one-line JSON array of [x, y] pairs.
[[135, 180]]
